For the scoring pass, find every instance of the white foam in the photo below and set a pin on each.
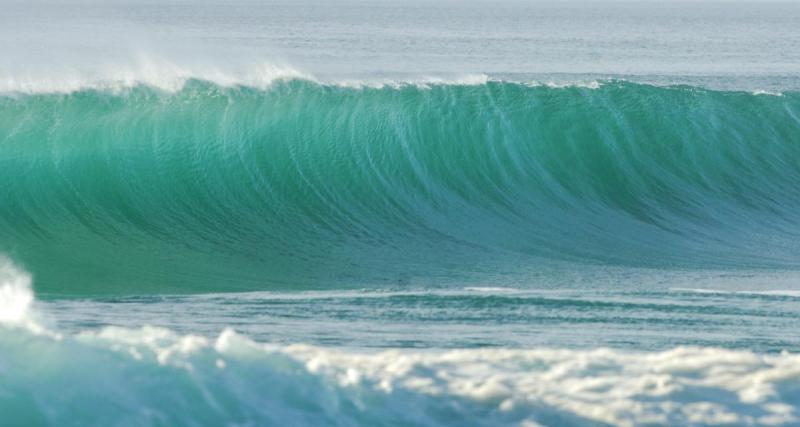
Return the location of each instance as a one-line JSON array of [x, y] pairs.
[[491, 289], [154, 72], [172, 75], [17, 300], [772, 292], [591, 84], [423, 82], [685, 385], [16, 296], [602, 385], [767, 92]]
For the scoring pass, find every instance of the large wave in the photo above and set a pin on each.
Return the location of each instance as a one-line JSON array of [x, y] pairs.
[[135, 189]]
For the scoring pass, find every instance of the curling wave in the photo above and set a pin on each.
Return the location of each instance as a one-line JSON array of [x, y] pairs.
[[304, 184]]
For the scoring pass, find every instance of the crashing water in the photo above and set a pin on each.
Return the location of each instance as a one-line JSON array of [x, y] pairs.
[[153, 376]]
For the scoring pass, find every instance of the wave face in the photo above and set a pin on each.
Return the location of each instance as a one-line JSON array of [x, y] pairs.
[[307, 185]]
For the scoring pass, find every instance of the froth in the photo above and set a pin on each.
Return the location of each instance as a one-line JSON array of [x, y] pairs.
[[16, 295], [248, 382], [685, 385]]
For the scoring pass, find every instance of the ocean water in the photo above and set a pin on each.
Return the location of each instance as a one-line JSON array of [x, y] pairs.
[[387, 213]]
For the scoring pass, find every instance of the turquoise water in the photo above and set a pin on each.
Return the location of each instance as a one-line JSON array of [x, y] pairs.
[[310, 186], [373, 214]]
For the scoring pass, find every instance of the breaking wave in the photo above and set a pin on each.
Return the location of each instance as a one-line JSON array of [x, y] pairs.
[[304, 184]]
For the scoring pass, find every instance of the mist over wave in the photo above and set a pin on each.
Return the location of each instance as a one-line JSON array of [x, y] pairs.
[[305, 184]]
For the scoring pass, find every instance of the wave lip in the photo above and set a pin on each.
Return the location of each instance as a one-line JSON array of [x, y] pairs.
[[148, 72], [172, 77]]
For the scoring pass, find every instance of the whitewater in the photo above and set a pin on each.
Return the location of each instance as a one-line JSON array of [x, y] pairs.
[[368, 213], [154, 376]]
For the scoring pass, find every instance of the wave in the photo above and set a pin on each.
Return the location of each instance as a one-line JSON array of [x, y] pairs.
[[153, 376], [299, 184]]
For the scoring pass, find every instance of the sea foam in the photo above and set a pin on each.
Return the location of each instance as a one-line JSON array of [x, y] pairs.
[[154, 376], [16, 295]]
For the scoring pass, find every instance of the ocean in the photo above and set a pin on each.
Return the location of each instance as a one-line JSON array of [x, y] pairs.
[[385, 213]]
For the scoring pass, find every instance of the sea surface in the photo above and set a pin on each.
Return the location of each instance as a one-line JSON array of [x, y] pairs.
[[385, 213]]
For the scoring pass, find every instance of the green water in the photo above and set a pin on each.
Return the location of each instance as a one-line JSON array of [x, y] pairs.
[[303, 185]]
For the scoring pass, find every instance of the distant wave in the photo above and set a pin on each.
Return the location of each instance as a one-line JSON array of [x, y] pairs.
[[300, 183]]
